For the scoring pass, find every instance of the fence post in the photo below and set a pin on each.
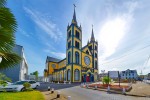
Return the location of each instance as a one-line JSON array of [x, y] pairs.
[[52, 90], [69, 97], [108, 89], [123, 91], [58, 94]]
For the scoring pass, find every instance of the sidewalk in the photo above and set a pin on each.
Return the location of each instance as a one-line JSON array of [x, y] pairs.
[[140, 88]]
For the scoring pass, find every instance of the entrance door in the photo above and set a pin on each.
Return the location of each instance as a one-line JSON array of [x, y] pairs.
[[84, 78], [87, 79]]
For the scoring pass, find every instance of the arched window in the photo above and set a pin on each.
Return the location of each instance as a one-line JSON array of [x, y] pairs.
[[65, 75], [69, 57], [68, 75], [55, 77], [60, 77], [77, 57], [76, 75]]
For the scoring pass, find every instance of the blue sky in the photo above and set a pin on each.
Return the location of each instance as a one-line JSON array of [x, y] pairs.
[[120, 26]]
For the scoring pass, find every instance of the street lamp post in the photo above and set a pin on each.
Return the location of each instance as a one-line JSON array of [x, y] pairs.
[[119, 78], [103, 71]]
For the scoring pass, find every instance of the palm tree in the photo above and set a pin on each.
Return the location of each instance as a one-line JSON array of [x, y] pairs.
[[106, 80], [8, 26]]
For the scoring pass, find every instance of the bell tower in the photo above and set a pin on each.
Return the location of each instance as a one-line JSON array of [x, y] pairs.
[[94, 50], [73, 49]]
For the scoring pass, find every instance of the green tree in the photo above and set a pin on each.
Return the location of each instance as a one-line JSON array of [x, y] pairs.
[[8, 27], [36, 75]]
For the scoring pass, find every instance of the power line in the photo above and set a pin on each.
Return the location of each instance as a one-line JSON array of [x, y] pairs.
[[127, 54], [146, 62]]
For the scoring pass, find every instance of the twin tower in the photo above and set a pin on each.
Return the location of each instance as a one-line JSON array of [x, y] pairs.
[[80, 64]]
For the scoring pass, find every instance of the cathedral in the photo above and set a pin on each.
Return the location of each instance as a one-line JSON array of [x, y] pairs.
[[80, 64]]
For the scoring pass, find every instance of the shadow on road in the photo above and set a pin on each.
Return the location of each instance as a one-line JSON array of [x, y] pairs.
[[44, 86]]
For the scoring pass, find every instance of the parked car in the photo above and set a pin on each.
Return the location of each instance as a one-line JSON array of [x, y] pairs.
[[34, 84], [18, 86]]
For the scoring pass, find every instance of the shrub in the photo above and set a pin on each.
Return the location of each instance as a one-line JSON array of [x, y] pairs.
[[27, 85], [106, 80]]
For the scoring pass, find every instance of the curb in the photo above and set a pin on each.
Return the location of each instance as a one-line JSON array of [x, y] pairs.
[[148, 96]]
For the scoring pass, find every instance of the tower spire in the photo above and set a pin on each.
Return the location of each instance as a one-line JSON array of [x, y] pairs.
[[92, 35], [74, 16]]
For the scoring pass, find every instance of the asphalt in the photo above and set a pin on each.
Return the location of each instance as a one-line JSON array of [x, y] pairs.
[[78, 93]]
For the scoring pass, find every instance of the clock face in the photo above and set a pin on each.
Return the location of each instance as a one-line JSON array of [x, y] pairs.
[[87, 60], [53, 65]]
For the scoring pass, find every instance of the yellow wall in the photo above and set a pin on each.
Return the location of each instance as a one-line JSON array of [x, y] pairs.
[[51, 69], [45, 74], [68, 67], [62, 64], [85, 49], [75, 39]]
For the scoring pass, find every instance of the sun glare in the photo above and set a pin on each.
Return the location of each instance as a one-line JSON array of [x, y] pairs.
[[110, 35]]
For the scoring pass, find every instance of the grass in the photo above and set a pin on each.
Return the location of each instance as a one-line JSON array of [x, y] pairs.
[[30, 95]]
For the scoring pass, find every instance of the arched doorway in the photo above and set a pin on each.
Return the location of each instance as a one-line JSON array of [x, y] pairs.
[[88, 77], [92, 78]]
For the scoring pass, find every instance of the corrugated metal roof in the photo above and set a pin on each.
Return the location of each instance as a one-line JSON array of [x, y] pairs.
[[52, 59]]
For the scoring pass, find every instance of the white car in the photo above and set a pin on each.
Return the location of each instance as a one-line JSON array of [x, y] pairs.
[[34, 84], [18, 86]]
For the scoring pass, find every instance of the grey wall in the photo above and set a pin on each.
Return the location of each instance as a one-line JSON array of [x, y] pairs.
[[14, 73]]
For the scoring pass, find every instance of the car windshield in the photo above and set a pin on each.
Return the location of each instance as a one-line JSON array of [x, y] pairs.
[[19, 83]]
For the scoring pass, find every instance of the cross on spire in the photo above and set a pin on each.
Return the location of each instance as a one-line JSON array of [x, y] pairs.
[[74, 6], [92, 35], [74, 15]]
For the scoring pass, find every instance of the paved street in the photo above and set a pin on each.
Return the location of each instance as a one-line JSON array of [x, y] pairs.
[[78, 93]]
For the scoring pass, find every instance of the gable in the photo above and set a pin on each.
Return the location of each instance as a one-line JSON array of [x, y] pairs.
[[86, 49]]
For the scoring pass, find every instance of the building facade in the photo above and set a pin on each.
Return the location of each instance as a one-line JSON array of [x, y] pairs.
[[80, 64], [129, 74], [19, 71]]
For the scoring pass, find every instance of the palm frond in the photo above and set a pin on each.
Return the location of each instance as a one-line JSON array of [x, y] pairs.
[[9, 59], [7, 41], [8, 26], [7, 20], [2, 3]]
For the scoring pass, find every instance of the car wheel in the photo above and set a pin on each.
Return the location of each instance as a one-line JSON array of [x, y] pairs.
[[23, 89]]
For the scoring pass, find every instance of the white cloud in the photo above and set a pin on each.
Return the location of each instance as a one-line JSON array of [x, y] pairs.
[[56, 54], [44, 23], [111, 33], [23, 32]]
